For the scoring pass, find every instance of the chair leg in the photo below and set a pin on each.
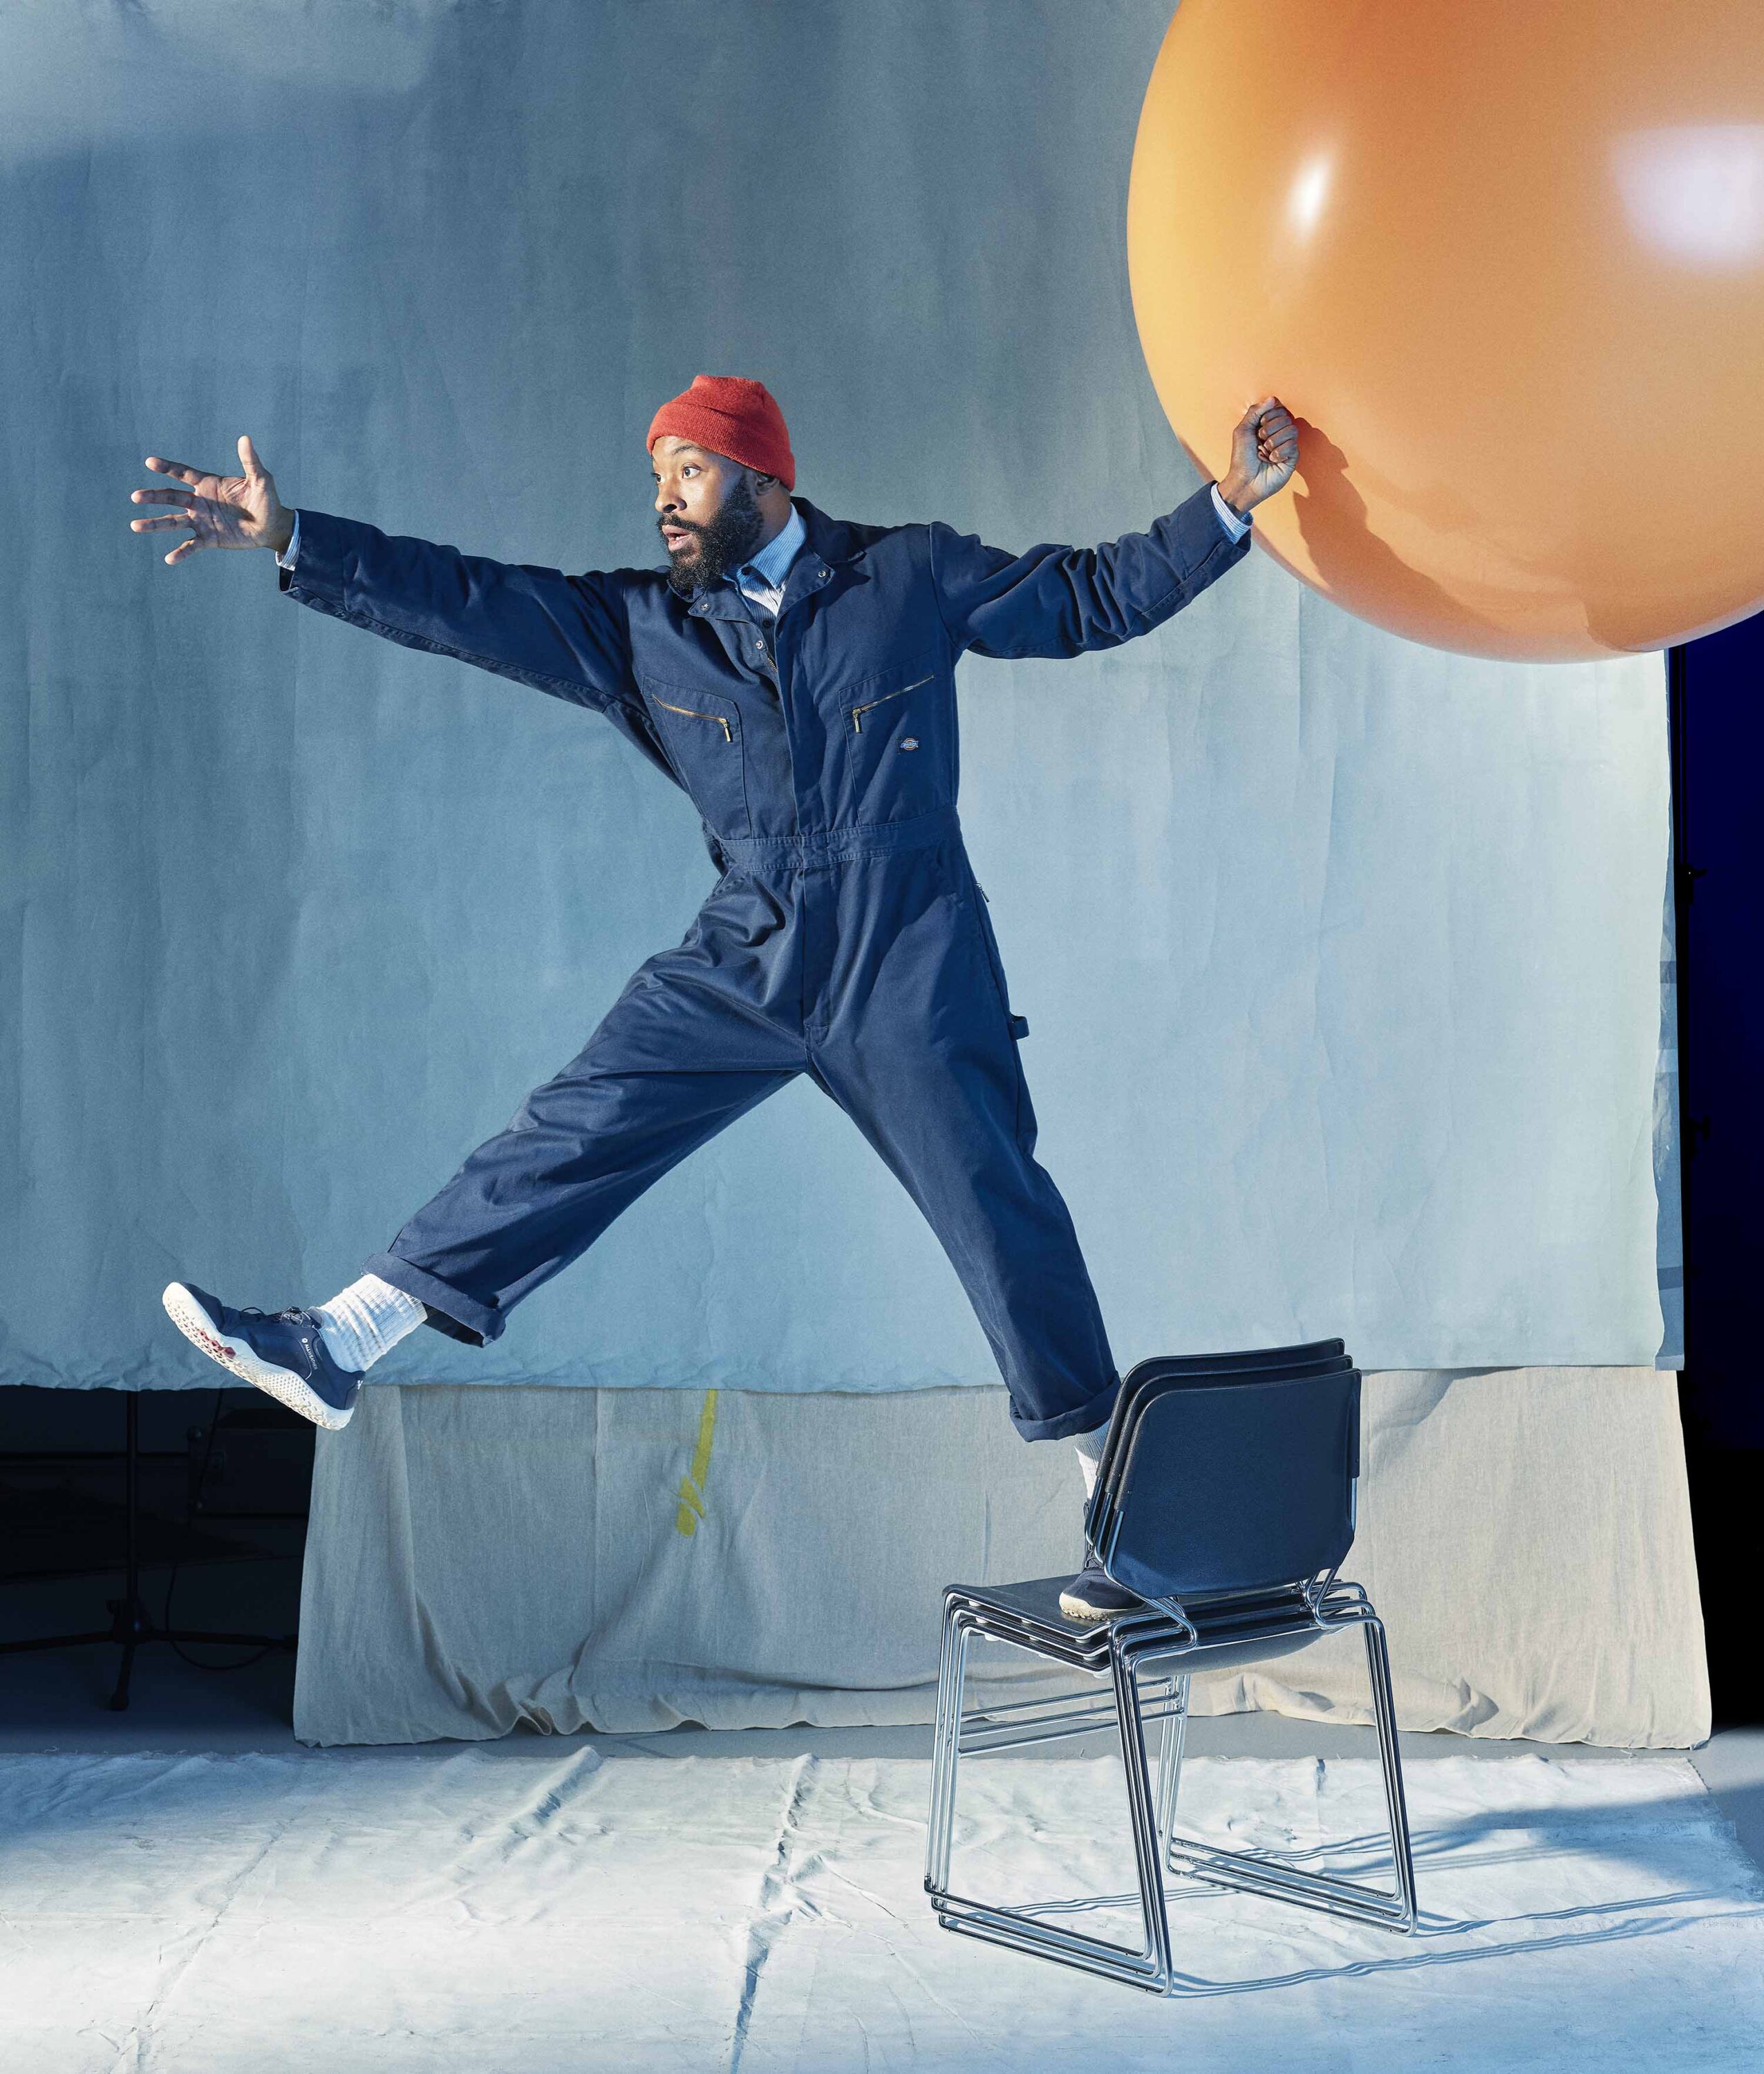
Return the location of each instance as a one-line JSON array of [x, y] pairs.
[[1148, 1835], [1175, 1733], [1152, 1814], [1396, 1805], [1253, 1872], [946, 1750], [1024, 1928]]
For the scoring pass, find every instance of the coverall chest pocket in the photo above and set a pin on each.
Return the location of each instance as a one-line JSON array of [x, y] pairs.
[[896, 731], [702, 733]]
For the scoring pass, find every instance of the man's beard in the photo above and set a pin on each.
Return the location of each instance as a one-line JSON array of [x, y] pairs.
[[724, 543]]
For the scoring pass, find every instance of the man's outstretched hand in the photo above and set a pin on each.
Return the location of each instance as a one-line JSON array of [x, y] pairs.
[[222, 511], [1264, 452]]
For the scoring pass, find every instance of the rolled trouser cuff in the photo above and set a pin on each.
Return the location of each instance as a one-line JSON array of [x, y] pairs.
[[1081, 1420], [478, 1323]]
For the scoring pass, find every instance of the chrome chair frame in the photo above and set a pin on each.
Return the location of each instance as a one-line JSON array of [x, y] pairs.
[[1168, 1640]]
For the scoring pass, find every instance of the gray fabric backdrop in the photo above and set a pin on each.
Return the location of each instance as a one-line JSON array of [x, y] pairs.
[[628, 1559], [1340, 955]]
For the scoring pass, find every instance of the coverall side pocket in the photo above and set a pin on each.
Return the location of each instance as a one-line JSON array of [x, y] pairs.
[[989, 943], [1017, 1027]]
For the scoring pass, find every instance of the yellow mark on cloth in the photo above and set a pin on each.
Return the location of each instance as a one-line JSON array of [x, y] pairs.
[[691, 1485]]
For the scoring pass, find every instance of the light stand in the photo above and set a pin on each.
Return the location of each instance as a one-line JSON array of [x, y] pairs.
[[131, 1623]]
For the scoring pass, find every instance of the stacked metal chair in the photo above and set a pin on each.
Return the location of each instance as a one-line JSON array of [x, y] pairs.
[[1226, 1500]]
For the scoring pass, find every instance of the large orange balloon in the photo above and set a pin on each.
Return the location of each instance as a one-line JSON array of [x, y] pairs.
[[1504, 262]]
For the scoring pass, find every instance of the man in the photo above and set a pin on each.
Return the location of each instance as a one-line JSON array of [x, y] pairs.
[[796, 674]]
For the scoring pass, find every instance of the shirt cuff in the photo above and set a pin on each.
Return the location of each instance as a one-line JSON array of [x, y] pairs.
[[1235, 527], [285, 559]]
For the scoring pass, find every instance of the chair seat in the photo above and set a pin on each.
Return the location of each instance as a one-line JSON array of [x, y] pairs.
[[1234, 1630]]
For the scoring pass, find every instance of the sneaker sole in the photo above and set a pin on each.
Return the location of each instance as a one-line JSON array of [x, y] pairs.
[[1078, 1609], [280, 1383]]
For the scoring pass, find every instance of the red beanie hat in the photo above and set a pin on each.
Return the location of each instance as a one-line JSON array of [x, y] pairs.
[[729, 415]]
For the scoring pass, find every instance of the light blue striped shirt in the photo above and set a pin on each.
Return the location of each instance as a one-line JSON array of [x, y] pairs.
[[761, 578]]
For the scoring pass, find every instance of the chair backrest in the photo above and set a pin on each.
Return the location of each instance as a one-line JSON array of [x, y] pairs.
[[1308, 1357], [1153, 1377], [1233, 1477]]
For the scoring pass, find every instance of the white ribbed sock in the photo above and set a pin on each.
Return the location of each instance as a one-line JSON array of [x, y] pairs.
[[366, 1320], [1090, 1447]]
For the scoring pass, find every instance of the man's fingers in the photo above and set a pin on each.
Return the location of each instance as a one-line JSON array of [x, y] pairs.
[[181, 470], [248, 453], [159, 524], [183, 549], [186, 501]]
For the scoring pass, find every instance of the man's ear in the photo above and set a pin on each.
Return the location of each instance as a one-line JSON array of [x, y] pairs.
[[762, 483]]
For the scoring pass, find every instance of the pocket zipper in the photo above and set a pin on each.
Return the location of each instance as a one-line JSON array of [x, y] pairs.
[[693, 714], [869, 705]]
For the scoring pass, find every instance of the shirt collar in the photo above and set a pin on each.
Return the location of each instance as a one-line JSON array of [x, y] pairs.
[[776, 556]]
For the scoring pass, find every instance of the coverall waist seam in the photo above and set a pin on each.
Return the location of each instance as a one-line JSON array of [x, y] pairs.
[[857, 839]]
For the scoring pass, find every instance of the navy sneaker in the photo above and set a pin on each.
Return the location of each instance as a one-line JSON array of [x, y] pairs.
[[281, 1352], [1093, 1595]]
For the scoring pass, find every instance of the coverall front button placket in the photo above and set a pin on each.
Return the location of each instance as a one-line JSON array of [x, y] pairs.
[[804, 755], [809, 920]]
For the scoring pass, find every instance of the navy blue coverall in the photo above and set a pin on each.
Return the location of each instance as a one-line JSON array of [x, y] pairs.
[[846, 938]]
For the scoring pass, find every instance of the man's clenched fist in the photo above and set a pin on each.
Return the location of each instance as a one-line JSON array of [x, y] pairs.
[[1264, 452]]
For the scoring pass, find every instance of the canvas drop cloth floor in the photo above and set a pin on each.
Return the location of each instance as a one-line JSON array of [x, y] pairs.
[[574, 1909]]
